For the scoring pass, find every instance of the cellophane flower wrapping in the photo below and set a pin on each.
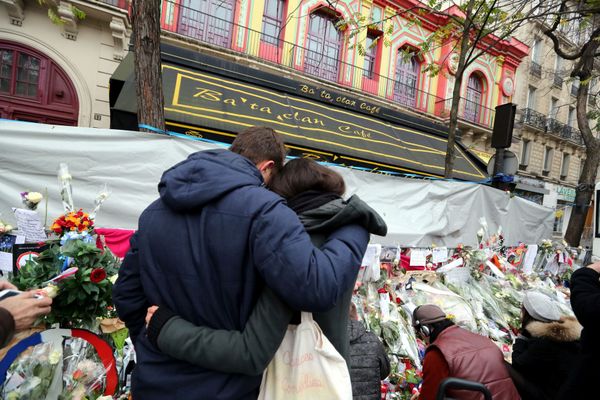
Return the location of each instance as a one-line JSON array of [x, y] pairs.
[[68, 371]]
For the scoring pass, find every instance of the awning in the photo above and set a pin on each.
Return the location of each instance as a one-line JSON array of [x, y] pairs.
[[204, 103]]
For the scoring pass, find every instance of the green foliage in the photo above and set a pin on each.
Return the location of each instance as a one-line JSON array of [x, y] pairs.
[[80, 301], [53, 12]]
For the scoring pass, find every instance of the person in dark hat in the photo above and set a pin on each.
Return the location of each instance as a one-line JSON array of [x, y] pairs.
[[456, 352], [546, 349]]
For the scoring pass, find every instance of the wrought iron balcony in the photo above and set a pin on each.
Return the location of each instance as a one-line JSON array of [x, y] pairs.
[[558, 80], [534, 119], [472, 112], [535, 69]]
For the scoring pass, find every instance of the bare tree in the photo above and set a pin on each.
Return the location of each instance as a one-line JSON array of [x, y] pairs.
[[582, 19]]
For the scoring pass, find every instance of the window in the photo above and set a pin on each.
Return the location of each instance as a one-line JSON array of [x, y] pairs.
[[553, 108], [536, 51], [272, 21], [19, 73], [571, 117], [474, 98], [323, 47], [581, 163], [564, 169], [548, 154], [34, 88], [531, 92], [559, 216], [210, 21], [371, 47], [558, 80], [407, 78], [525, 153]]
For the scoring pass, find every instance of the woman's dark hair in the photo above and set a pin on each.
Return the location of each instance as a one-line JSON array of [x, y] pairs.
[[302, 174]]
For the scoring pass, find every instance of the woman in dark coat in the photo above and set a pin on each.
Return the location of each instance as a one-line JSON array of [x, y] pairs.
[[547, 348], [585, 301], [314, 193]]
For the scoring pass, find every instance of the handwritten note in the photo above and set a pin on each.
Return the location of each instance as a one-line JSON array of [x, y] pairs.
[[440, 254], [418, 257], [30, 225]]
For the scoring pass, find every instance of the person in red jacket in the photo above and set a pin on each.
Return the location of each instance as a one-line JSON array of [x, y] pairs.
[[456, 352]]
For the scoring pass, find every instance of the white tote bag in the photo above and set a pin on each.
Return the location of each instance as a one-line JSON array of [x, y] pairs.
[[306, 367]]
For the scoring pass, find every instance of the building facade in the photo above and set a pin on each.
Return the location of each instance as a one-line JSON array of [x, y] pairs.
[[58, 72], [547, 142]]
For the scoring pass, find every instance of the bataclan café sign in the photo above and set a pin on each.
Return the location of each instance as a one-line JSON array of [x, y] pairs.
[[205, 104]]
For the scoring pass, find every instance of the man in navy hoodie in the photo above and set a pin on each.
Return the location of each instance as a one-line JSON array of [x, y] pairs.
[[205, 248]]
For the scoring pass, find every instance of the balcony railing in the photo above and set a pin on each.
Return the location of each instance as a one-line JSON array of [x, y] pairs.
[[327, 64], [558, 80], [533, 119], [535, 69], [471, 112], [563, 130]]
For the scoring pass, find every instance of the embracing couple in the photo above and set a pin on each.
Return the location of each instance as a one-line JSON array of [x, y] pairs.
[[229, 263]]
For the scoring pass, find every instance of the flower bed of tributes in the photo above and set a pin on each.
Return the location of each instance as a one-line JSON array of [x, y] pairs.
[[79, 360], [480, 288]]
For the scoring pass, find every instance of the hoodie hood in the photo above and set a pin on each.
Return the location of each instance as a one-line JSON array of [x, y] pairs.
[[204, 177], [567, 329], [337, 213]]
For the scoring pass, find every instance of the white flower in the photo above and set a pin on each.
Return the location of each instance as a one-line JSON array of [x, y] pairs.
[[34, 197], [113, 279], [480, 233], [54, 357], [51, 291]]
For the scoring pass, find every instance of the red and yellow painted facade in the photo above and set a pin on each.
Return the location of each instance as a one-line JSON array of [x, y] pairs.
[[496, 68]]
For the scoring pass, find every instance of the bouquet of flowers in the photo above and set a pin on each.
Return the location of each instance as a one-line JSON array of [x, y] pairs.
[[74, 221], [31, 199]]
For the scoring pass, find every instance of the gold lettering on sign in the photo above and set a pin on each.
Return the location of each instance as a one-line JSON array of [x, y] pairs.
[[371, 109], [307, 89], [361, 133], [297, 117], [346, 101], [230, 101], [207, 94], [325, 95]]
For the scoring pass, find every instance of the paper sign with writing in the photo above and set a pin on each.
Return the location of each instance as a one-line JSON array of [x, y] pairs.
[[30, 225], [418, 257], [440, 254], [532, 250]]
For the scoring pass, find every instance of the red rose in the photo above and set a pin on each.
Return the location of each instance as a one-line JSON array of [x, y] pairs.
[[97, 275]]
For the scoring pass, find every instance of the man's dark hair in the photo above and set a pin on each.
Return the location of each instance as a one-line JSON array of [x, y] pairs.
[[439, 327], [302, 174], [260, 143]]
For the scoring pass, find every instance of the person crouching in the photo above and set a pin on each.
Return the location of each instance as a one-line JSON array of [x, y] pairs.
[[458, 353]]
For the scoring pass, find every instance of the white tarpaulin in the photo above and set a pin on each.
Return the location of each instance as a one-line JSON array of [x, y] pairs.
[[418, 212]]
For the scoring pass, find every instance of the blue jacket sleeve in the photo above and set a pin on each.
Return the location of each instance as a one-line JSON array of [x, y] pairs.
[[128, 293], [305, 277]]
